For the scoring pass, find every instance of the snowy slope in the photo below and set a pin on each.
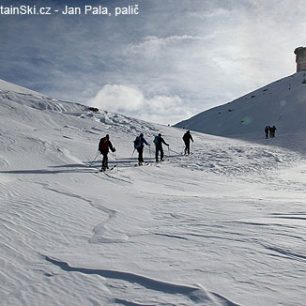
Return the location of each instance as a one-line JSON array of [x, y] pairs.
[[282, 103], [9, 87], [224, 226]]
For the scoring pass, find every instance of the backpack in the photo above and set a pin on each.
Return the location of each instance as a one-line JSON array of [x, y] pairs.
[[103, 145], [137, 142], [156, 140]]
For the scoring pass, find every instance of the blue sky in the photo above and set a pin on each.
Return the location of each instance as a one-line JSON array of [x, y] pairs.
[[175, 59]]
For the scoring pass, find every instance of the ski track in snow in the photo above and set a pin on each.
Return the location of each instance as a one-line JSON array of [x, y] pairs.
[[230, 217], [241, 160]]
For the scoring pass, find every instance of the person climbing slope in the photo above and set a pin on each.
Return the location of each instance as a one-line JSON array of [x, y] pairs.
[[267, 129], [104, 146], [186, 138], [159, 141], [139, 143]]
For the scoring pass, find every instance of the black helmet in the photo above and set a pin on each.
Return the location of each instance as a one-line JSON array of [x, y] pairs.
[[107, 136], [141, 135], [159, 134]]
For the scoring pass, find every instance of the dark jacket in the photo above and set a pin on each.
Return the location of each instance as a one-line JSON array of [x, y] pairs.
[[159, 141], [140, 142], [105, 145], [187, 137]]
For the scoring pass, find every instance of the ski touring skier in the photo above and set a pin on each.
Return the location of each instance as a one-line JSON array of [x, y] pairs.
[[139, 143], [159, 141], [267, 129], [186, 138], [104, 146]]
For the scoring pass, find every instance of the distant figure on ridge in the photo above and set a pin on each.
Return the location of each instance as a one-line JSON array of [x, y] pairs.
[[104, 146], [273, 129], [158, 141], [139, 143], [186, 138], [267, 129]]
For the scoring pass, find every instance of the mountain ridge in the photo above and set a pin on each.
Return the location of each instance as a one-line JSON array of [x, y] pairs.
[[281, 103], [7, 86]]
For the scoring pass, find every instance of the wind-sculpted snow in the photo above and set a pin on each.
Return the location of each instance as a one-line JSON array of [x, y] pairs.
[[10, 99], [40, 103], [195, 294], [223, 226]]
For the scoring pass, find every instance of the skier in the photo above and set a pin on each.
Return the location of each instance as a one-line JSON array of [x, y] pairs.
[[270, 132], [158, 140], [104, 146], [187, 137], [267, 128], [273, 129], [139, 143]]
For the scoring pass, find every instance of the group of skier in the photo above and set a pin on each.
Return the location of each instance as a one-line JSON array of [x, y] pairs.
[[105, 146], [270, 131]]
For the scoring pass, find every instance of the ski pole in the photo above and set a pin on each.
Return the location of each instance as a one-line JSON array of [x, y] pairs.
[[114, 155], [133, 152], [90, 164], [174, 151], [169, 151]]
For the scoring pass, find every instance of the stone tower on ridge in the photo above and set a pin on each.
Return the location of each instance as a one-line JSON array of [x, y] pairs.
[[300, 53]]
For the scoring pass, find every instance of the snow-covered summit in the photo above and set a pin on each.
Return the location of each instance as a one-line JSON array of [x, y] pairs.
[[281, 103]]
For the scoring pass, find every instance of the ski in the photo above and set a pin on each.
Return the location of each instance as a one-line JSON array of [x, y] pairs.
[[143, 164], [109, 169], [99, 170]]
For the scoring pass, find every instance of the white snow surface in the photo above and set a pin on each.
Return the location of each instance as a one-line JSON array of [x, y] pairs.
[[9, 87], [281, 103], [223, 226]]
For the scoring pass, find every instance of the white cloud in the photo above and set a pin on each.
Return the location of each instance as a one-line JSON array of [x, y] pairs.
[[131, 101], [118, 98], [154, 41]]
